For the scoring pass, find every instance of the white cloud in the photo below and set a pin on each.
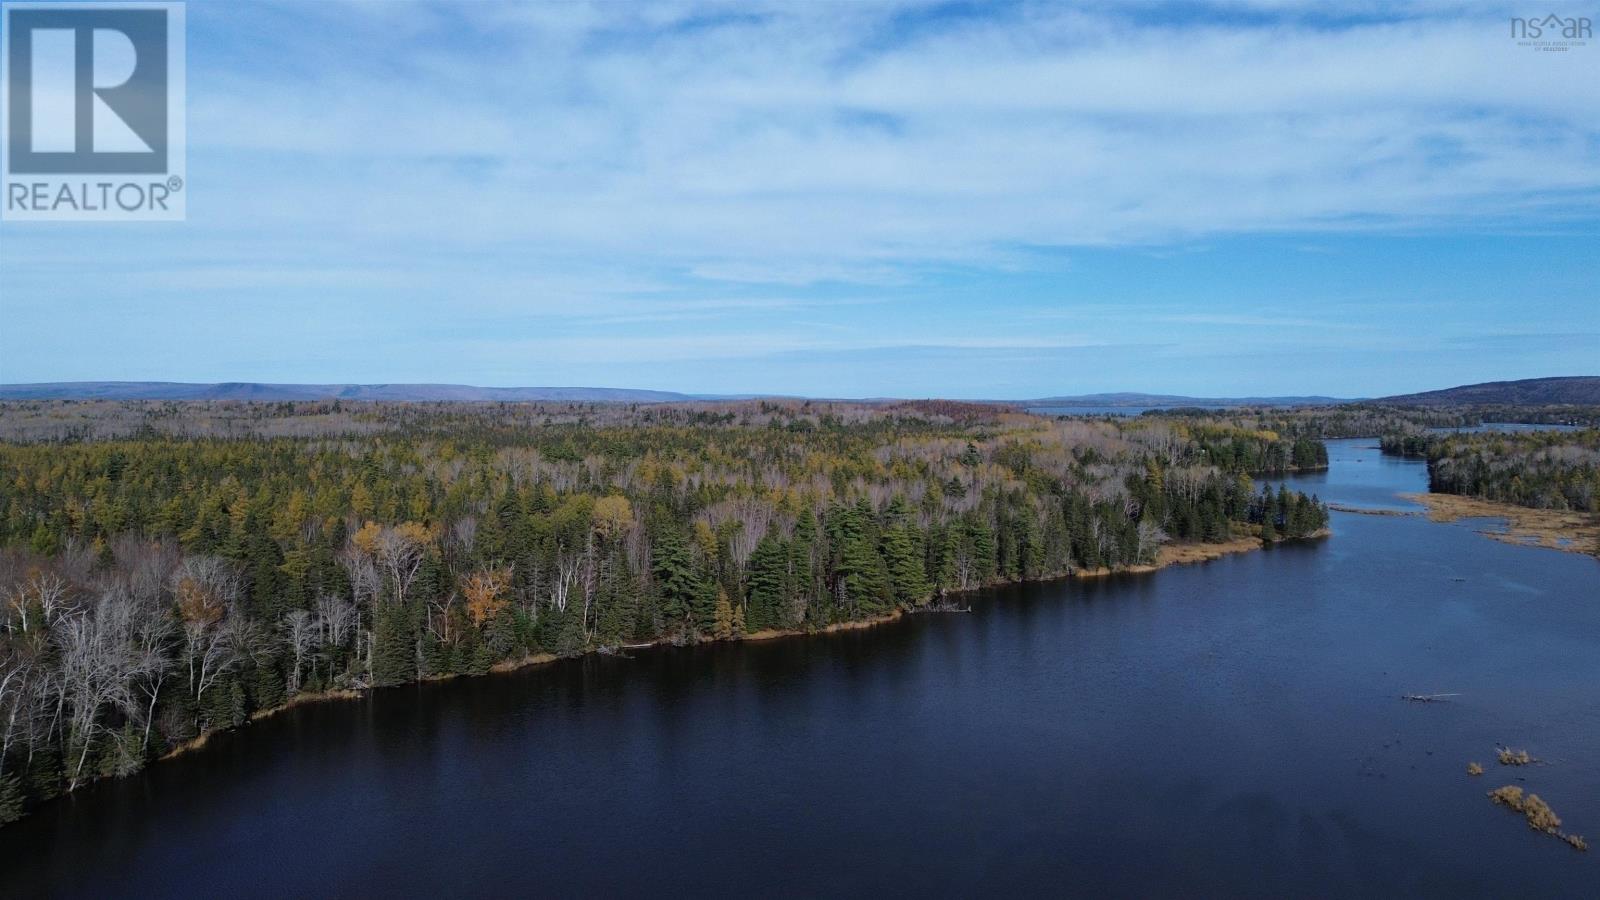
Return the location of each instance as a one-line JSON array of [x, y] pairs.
[[783, 146], [615, 182]]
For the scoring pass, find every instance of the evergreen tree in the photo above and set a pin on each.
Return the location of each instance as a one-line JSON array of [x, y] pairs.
[[677, 583], [394, 658], [769, 584], [904, 558]]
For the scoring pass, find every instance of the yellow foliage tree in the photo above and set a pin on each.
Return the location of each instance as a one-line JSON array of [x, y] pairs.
[[485, 593], [612, 516], [366, 539], [705, 539], [196, 604], [724, 624]]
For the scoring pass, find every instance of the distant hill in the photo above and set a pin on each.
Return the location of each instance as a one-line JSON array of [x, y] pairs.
[[1131, 399], [1582, 390], [237, 390]]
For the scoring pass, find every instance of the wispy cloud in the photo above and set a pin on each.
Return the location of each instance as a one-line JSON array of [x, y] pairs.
[[638, 176], [785, 146]]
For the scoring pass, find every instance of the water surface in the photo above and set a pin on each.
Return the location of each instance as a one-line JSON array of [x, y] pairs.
[[1229, 728]]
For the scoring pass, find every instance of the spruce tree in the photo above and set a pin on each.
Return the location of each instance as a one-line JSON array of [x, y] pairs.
[[768, 584], [677, 583], [902, 552], [394, 656]]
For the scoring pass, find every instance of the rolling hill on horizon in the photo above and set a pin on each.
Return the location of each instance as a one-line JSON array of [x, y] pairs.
[[265, 392], [1580, 390], [1129, 398]]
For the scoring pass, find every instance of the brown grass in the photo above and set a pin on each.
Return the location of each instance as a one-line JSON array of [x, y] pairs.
[[301, 699], [1556, 529], [1187, 554], [1474, 769], [532, 659], [1510, 757], [772, 633], [200, 740], [1540, 816], [1538, 813], [1365, 511], [192, 744]]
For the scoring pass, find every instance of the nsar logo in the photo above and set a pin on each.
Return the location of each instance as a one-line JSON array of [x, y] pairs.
[[1552, 33]]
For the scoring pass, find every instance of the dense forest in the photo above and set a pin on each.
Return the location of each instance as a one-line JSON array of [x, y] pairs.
[[1537, 469], [168, 569], [1354, 420]]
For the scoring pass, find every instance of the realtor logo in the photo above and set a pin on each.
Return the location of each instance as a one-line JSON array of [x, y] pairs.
[[94, 111]]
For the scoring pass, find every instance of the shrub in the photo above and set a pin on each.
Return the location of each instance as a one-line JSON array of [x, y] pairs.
[[1510, 757]]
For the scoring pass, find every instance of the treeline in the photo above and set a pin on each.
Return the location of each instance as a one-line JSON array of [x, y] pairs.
[[1373, 420], [1537, 469], [157, 587], [1261, 451]]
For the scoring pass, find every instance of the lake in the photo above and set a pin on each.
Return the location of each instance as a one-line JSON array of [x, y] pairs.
[[1228, 728]]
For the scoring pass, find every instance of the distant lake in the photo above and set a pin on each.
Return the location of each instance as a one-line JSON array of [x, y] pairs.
[[1233, 728]]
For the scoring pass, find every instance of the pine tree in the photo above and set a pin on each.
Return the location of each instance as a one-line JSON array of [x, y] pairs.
[[394, 659], [903, 556], [769, 584], [984, 561], [677, 583], [801, 573]]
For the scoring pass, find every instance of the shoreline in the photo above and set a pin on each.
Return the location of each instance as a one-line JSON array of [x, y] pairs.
[[1566, 530], [1171, 554], [200, 740], [1366, 511]]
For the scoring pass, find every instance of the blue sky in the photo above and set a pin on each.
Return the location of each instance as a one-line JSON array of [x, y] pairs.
[[849, 200]]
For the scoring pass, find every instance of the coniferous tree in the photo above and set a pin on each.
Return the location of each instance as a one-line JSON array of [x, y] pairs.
[[677, 584], [393, 647], [769, 584]]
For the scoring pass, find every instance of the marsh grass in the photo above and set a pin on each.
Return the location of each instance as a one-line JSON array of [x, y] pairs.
[[1510, 757], [1538, 813]]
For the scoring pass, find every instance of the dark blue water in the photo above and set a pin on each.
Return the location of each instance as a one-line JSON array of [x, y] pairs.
[[1232, 728]]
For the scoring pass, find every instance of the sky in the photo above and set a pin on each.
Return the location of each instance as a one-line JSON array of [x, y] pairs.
[[850, 200]]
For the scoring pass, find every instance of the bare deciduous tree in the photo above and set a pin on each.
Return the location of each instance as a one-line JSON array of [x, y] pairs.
[[303, 632]]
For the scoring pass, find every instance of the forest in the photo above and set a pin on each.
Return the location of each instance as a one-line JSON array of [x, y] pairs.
[[169, 569], [1356, 420], [1537, 469]]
